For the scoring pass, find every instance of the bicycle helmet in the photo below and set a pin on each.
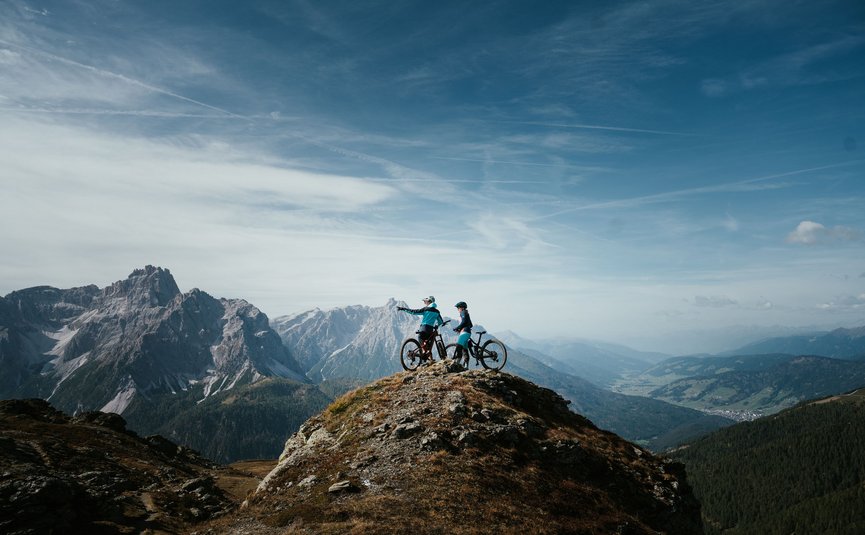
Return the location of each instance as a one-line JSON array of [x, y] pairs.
[[430, 298], [461, 304]]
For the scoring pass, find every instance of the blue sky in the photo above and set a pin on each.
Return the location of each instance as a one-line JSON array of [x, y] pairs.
[[628, 171]]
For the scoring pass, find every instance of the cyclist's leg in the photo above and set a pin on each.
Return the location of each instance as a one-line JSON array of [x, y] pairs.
[[425, 335], [462, 351]]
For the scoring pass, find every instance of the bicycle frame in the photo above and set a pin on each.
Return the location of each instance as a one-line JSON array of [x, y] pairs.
[[474, 347], [437, 340], [415, 352], [492, 358]]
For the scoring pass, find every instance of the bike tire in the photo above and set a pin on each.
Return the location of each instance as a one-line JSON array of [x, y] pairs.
[[493, 355], [410, 355]]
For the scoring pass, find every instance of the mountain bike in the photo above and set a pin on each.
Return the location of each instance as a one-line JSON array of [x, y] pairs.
[[492, 354], [413, 353]]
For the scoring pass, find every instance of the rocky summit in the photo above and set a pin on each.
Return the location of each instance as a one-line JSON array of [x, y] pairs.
[[170, 362], [89, 474], [444, 450]]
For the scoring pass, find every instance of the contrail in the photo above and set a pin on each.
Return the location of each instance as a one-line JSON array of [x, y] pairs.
[[659, 197], [126, 79], [602, 127], [136, 113], [505, 162]]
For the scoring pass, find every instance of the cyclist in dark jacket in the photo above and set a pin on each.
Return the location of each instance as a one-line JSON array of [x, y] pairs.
[[465, 330], [431, 319]]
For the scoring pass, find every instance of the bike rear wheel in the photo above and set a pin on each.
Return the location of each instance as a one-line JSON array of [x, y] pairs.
[[493, 355], [410, 355]]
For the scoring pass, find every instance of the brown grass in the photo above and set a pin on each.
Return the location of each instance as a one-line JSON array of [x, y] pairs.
[[240, 479]]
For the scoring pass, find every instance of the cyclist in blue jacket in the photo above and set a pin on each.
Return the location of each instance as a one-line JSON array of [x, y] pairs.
[[465, 330], [431, 319]]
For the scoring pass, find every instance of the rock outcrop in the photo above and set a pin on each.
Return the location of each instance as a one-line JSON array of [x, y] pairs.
[[445, 450]]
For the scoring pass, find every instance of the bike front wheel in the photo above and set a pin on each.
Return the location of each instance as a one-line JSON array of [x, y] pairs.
[[410, 355], [493, 355]]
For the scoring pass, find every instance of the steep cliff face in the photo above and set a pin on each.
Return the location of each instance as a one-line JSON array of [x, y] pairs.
[[86, 348], [445, 450]]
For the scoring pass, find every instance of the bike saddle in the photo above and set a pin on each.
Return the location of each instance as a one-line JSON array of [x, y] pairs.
[[481, 332]]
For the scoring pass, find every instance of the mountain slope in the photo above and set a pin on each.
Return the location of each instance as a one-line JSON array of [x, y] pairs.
[[807, 461], [88, 474], [444, 452], [249, 421]]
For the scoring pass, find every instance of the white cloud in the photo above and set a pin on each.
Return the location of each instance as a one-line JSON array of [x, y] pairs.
[[811, 233], [78, 162], [714, 301]]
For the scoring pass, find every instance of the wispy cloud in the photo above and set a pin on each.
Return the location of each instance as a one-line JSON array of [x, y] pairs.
[[844, 303], [793, 68], [812, 233]]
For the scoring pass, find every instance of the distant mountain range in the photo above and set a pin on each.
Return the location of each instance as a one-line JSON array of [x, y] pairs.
[[840, 343], [185, 365], [601, 363], [799, 471]]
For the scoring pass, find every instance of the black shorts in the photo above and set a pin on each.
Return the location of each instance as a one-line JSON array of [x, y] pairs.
[[425, 332]]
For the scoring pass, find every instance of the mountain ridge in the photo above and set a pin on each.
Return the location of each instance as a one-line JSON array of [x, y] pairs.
[[842, 343]]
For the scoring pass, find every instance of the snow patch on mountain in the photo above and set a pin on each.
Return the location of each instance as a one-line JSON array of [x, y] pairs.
[[122, 400]]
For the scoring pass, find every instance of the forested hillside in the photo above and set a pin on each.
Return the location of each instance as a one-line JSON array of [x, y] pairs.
[[799, 471]]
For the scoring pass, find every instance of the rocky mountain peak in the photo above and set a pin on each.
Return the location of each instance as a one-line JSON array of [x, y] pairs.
[[452, 451], [148, 287]]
